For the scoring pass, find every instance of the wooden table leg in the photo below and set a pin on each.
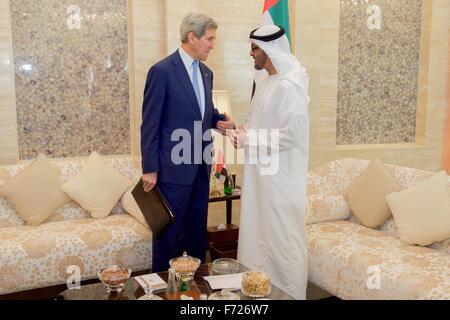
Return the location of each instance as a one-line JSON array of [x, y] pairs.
[[229, 207]]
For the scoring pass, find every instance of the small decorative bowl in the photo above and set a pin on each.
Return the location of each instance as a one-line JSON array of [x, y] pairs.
[[114, 277], [185, 266], [224, 294], [225, 266], [256, 284]]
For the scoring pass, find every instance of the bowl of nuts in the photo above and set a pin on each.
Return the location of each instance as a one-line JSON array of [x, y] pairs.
[[185, 266], [114, 277], [256, 284]]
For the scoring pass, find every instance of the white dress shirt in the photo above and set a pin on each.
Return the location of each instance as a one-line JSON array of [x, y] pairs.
[[187, 61]]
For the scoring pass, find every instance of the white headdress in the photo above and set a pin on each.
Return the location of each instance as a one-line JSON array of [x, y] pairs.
[[273, 41]]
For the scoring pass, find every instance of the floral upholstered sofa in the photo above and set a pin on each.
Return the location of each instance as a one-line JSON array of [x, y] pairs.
[[345, 257], [39, 256]]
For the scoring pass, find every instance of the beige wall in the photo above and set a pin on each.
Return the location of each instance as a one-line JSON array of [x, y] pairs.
[[446, 156], [317, 35], [9, 147], [156, 35], [154, 24], [230, 60], [147, 45]]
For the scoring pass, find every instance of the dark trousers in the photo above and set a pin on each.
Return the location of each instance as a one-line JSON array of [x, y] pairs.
[[188, 232]]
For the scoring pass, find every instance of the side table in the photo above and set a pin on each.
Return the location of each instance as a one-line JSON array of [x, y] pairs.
[[228, 200]]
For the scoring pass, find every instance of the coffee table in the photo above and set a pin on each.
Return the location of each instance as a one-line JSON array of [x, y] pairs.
[[132, 289]]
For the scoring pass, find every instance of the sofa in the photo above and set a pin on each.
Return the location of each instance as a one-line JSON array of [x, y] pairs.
[[341, 250], [351, 261], [41, 256]]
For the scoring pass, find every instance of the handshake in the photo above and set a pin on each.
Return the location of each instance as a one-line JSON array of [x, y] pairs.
[[226, 127], [237, 137]]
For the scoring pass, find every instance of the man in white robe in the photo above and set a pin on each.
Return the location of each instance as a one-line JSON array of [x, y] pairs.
[[272, 234]]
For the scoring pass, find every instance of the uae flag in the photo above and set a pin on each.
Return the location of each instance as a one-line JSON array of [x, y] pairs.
[[221, 172], [277, 12]]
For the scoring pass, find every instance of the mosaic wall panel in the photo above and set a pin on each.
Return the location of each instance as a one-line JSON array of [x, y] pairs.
[[379, 44], [71, 73]]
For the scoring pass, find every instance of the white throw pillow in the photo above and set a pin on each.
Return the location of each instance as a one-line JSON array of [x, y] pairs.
[[130, 206], [422, 212], [97, 187]]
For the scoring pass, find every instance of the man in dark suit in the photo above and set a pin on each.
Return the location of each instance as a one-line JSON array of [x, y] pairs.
[[177, 117]]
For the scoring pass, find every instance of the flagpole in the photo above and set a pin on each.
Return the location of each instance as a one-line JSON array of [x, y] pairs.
[[291, 4]]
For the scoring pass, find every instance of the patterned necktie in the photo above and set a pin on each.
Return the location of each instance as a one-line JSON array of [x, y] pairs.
[[196, 85]]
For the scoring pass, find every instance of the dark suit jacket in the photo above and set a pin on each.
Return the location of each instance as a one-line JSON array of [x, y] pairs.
[[170, 104]]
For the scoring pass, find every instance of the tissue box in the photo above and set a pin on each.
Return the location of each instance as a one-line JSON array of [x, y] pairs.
[[230, 234]]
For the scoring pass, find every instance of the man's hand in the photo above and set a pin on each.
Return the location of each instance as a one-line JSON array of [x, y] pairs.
[[149, 180], [238, 137], [227, 124]]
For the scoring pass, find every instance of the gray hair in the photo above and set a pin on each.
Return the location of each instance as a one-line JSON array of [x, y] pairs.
[[196, 23]]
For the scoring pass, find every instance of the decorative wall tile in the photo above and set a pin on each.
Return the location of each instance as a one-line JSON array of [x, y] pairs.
[[379, 46], [71, 74]]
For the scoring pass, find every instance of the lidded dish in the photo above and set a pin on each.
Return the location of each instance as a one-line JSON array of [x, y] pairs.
[[185, 266]]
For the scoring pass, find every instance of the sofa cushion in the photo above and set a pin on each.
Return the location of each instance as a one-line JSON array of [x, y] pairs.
[[335, 176], [97, 187], [35, 193], [130, 206], [4, 175], [366, 195], [391, 229], [345, 260], [408, 177], [8, 216], [441, 246], [128, 166], [326, 207], [34, 257], [422, 212]]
